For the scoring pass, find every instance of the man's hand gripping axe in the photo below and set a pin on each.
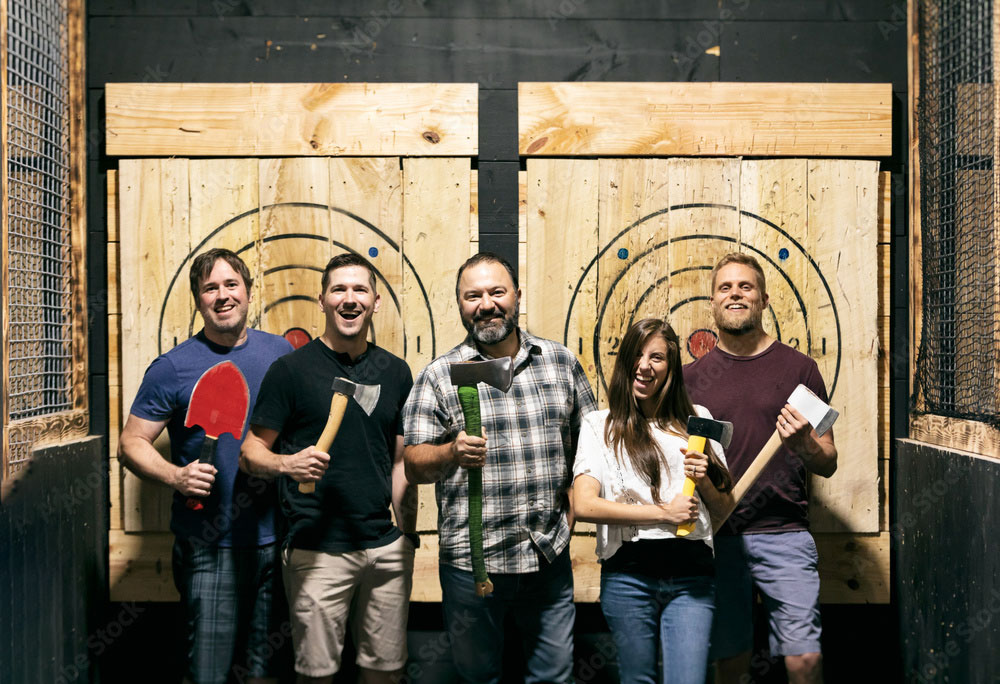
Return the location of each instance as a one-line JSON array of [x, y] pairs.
[[497, 373], [367, 398], [813, 409]]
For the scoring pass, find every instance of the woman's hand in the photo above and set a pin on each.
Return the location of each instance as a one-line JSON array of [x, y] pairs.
[[681, 509], [695, 464]]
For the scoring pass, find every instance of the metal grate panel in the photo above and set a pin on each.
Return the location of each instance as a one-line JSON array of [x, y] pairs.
[[40, 353], [957, 358]]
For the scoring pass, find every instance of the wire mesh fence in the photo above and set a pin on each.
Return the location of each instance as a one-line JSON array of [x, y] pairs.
[[40, 353], [957, 359]]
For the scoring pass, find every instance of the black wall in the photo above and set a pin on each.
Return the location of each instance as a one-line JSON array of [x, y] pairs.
[[497, 45], [53, 565], [947, 514]]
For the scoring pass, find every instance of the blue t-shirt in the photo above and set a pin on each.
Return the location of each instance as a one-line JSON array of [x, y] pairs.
[[240, 510]]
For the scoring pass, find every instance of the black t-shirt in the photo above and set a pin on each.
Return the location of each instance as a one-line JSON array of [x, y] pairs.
[[350, 507]]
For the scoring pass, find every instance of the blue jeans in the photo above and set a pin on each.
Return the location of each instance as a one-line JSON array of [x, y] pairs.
[[542, 606], [650, 617]]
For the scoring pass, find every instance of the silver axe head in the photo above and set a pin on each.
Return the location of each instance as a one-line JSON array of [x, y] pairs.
[[497, 373], [813, 409], [366, 395]]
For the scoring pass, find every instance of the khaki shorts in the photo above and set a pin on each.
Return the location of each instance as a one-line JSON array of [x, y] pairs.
[[371, 587]]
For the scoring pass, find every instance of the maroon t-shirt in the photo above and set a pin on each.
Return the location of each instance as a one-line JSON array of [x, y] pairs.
[[749, 392]]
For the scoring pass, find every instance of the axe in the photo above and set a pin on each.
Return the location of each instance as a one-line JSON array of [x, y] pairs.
[[343, 389], [497, 373], [813, 409], [699, 431], [219, 404]]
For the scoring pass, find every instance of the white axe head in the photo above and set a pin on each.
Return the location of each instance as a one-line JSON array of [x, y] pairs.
[[813, 409]]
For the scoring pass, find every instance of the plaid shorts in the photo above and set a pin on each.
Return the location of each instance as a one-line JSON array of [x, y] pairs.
[[235, 613]]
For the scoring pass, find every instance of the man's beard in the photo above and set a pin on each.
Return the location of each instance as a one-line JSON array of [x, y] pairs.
[[752, 321], [493, 332]]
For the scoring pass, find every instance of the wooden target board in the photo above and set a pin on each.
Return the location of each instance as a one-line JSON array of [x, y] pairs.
[[286, 218], [611, 241]]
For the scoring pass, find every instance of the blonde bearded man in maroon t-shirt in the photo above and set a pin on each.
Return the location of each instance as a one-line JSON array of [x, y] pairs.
[[766, 543]]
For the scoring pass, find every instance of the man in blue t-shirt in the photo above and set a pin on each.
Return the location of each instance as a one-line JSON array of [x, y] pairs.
[[226, 553]]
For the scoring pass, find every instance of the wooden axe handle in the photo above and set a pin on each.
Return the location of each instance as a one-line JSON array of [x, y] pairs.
[[338, 404], [749, 478]]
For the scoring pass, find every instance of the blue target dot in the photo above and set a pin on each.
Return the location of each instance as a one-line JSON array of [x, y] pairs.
[[373, 252], [782, 254], [623, 253]]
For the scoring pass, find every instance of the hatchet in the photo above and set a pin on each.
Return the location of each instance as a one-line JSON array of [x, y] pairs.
[[699, 431], [219, 404], [813, 409], [497, 373], [343, 389]]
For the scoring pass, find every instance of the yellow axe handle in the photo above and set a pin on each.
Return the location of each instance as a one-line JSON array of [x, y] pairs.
[[695, 443], [338, 404]]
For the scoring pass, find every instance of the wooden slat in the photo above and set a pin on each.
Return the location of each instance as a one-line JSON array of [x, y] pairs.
[[854, 568], [973, 111], [996, 191], [77, 145], [153, 202], [916, 225], [53, 428], [562, 194], [631, 193], [294, 198], [775, 190], [4, 261], [115, 470], [730, 119], [885, 207], [292, 119], [139, 566], [842, 230], [369, 189], [223, 200], [435, 205], [952, 433]]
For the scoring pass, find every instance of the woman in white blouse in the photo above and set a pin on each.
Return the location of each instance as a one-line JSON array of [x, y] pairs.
[[657, 589]]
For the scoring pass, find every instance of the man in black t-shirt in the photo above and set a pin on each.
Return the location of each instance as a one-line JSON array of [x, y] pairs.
[[345, 562]]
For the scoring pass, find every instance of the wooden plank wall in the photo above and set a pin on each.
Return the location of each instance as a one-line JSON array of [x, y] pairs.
[[777, 210], [410, 219]]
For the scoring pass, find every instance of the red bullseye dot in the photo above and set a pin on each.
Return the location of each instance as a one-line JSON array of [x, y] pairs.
[[297, 337], [700, 342]]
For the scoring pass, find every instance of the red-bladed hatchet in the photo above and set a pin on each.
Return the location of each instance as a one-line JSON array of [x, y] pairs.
[[219, 404]]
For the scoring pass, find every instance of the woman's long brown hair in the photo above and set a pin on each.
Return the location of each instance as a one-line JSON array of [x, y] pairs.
[[627, 430]]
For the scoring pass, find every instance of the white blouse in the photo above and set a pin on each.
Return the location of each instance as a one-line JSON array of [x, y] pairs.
[[620, 483]]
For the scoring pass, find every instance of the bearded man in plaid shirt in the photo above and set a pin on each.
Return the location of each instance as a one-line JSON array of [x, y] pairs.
[[529, 438]]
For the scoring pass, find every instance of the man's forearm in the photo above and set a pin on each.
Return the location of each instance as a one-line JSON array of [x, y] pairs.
[[427, 463], [145, 462], [821, 457], [258, 460]]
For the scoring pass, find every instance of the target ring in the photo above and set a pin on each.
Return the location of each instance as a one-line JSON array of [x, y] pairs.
[[407, 265], [826, 308]]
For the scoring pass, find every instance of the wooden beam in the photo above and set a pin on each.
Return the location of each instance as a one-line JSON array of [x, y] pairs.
[[4, 260], [915, 227], [729, 119], [292, 119], [78, 206], [953, 433], [52, 428], [996, 189]]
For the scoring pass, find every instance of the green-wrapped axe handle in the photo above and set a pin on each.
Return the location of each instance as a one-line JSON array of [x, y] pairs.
[[468, 397]]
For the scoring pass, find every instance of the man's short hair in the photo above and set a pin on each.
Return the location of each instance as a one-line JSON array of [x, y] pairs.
[[746, 260], [344, 260], [485, 258], [203, 264]]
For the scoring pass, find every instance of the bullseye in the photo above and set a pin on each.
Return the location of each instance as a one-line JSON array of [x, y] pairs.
[[297, 337], [701, 341]]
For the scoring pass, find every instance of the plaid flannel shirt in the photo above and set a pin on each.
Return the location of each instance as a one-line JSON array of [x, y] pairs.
[[531, 434]]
